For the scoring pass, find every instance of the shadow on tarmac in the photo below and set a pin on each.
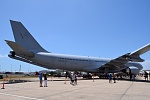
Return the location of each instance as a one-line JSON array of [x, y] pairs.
[[127, 79], [17, 81]]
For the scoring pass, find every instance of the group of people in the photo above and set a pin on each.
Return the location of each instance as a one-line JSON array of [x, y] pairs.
[[73, 78], [132, 76], [111, 77], [41, 79]]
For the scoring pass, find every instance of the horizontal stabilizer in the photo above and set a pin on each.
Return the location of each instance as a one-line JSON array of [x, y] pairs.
[[19, 50], [27, 61]]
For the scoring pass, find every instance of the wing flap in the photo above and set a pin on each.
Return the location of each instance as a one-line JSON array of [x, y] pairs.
[[116, 63], [19, 50]]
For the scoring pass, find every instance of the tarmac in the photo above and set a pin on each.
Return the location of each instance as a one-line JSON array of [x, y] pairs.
[[100, 89]]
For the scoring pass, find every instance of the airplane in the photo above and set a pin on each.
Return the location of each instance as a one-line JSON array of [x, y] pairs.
[[27, 49]]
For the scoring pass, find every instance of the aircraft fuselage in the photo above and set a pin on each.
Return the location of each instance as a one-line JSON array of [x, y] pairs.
[[74, 63]]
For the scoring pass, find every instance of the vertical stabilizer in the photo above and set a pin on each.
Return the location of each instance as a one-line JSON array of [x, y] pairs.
[[24, 38]]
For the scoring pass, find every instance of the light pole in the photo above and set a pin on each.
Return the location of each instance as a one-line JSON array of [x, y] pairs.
[[20, 69], [11, 67]]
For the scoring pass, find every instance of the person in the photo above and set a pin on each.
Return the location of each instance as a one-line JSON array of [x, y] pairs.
[[133, 77], [120, 76], [75, 79], [146, 76], [110, 77], [117, 76], [114, 78], [45, 80], [130, 76], [67, 74], [149, 75], [40, 77], [72, 78]]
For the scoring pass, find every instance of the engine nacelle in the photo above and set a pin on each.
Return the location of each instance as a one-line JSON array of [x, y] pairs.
[[134, 70], [136, 59]]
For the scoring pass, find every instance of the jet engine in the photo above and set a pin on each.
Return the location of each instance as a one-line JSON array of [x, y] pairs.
[[134, 70]]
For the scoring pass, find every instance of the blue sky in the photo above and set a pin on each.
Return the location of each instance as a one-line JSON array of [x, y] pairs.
[[100, 28]]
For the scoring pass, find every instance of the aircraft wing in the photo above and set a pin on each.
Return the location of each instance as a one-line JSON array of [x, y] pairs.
[[119, 63], [114, 64], [140, 51]]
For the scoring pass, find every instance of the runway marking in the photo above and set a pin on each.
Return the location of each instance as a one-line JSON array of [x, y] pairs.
[[30, 98], [126, 91]]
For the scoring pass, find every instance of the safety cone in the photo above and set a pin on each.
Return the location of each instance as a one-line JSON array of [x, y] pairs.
[[3, 84]]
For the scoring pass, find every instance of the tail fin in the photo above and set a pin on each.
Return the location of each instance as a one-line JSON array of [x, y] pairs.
[[24, 38]]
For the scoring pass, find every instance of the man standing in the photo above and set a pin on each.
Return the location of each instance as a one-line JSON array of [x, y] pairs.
[[72, 78], [45, 80], [149, 75], [75, 78], [114, 78], [110, 77], [40, 77], [146, 76]]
